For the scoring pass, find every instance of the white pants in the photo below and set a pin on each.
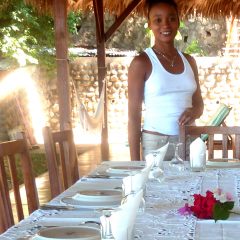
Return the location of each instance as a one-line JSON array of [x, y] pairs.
[[151, 142]]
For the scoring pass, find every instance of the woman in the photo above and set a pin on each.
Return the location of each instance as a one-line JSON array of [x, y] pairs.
[[166, 80]]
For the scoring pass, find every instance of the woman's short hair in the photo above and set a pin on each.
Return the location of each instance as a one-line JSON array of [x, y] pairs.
[[150, 3]]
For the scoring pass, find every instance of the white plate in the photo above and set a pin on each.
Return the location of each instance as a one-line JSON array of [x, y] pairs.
[[98, 195], [66, 233], [70, 201], [224, 163], [123, 169]]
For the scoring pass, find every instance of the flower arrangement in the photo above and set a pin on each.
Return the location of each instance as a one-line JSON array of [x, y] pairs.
[[215, 205]]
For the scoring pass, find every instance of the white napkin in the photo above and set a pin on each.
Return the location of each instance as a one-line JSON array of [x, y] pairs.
[[123, 220], [198, 154], [136, 182], [155, 158]]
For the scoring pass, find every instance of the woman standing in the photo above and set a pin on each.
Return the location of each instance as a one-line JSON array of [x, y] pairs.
[[166, 80]]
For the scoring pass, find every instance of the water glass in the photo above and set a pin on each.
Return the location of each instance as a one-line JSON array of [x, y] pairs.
[[198, 163]]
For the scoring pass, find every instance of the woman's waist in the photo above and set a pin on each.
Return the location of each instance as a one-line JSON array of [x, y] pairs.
[[154, 133], [166, 126]]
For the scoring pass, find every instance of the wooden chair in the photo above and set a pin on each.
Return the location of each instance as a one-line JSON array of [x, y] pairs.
[[60, 151], [218, 119], [225, 131], [9, 151]]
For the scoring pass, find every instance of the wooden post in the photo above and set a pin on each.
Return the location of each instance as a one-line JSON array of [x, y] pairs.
[[61, 39], [101, 61], [101, 75]]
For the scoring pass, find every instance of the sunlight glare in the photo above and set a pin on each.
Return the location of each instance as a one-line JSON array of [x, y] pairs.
[[20, 79]]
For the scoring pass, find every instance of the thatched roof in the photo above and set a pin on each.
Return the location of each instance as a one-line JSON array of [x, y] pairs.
[[207, 8]]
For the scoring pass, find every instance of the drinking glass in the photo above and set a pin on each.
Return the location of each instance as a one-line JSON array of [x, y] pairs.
[[157, 173], [131, 191], [106, 231], [177, 162]]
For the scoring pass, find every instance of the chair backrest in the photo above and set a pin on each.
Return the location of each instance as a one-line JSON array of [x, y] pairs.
[[10, 152], [218, 118], [61, 158], [225, 131]]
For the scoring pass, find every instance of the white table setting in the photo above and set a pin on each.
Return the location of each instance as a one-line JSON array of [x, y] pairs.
[[84, 203]]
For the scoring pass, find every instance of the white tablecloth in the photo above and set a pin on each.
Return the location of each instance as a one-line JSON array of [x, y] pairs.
[[161, 219]]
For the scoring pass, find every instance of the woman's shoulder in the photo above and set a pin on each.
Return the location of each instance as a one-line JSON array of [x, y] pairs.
[[141, 58], [141, 66], [191, 60], [189, 57]]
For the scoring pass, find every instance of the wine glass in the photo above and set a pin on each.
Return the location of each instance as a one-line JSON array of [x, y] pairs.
[[177, 162], [106, 229], [131, 191], [156, 172]]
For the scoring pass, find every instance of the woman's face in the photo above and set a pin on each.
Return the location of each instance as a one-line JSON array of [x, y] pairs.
[[164, 22]]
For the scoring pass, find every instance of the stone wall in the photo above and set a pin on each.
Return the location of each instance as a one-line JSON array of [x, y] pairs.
[[131, 35], [219, 80], [209, 34], [220, 83]]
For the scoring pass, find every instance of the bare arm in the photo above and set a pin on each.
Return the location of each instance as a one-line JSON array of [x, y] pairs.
[[136, 80], [196, 111]]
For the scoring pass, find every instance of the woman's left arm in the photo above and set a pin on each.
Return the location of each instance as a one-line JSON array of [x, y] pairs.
[[190, 114]]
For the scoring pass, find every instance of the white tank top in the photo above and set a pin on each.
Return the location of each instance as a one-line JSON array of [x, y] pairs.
[[167, 95]]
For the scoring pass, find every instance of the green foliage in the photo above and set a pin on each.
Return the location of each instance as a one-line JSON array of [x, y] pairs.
[[194, 47], [182, 25], [39, 165], [73, 22], [222, 210], [24, 34], [28, 37], [191, 48]]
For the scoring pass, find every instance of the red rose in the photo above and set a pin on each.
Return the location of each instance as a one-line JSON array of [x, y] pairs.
[[203, 206], [208, 207]]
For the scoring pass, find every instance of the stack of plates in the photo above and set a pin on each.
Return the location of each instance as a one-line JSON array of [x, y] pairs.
[[64, 233]]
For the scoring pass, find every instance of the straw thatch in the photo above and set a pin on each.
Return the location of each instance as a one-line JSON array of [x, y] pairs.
[[207, 8]]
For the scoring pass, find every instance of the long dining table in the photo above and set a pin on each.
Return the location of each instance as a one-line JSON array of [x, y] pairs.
[[161, 218]]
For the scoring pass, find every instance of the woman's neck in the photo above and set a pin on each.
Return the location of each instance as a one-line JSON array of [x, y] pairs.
[[167, 49]]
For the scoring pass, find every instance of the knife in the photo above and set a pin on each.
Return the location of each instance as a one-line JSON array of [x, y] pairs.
[[56, 207], [102, 176]]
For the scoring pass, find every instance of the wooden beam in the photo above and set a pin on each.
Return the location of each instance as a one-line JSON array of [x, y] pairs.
[[121, 18], [101, 61], [98, 20], [60, 24]]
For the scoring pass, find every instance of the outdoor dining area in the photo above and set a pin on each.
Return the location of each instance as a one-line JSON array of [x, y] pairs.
[[152, 199], [193, 196]]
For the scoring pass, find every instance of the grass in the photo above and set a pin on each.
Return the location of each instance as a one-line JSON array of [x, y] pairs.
[[39, 165]]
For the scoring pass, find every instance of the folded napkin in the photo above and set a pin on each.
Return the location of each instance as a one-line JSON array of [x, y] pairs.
[[155, 158], [198, 154], [123, 219], [136, 182]]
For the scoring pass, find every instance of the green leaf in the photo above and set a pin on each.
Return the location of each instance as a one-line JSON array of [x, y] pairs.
[[228, 205], [221, 211]]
